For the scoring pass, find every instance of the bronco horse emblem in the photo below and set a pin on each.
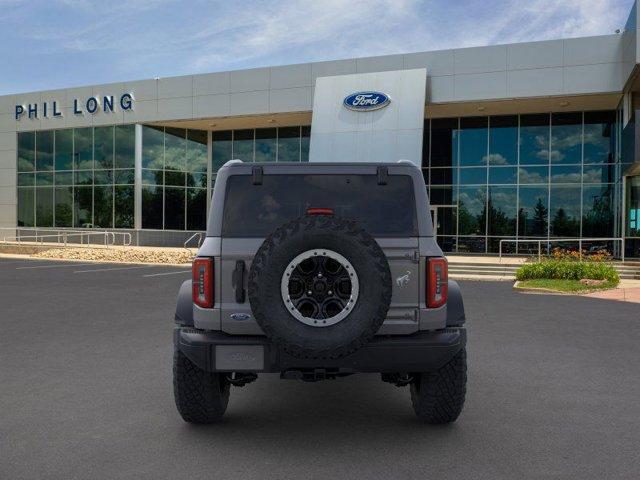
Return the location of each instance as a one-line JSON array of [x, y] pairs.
[[403, 280]]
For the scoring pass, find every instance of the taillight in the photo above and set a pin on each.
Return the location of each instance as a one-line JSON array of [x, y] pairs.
[[437, 282], [202, 282], [320, 211]]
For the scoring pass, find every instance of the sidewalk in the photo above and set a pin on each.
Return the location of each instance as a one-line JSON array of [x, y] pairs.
[[627, 291]]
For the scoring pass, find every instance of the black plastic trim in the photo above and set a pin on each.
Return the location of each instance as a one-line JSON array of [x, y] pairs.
[[184, 307], [455, 305]]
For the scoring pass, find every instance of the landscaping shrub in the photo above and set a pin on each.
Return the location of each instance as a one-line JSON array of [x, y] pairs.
[[568, 270]]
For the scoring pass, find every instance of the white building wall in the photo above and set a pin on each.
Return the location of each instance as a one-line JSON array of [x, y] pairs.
[[385, 135]]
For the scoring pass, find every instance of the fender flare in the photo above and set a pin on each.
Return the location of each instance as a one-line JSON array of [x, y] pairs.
[[184, 306], [455, 305]]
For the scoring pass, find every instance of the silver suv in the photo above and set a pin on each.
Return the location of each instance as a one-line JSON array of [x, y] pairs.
[[317, 271]]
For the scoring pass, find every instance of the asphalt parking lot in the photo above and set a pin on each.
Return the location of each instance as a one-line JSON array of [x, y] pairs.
[[85, 392]]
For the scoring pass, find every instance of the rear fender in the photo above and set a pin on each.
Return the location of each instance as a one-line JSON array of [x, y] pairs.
[[455, 306], [184, 307]]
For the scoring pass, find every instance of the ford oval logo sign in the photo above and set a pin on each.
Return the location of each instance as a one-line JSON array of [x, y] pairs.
[[366, 101]]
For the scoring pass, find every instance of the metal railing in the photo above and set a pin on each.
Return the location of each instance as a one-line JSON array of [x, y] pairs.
[[197, 235], [548, 241], [66, 237]]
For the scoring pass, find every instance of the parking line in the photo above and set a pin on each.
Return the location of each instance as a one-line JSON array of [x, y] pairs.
[[115, 268], [56, 266], [166, 273]]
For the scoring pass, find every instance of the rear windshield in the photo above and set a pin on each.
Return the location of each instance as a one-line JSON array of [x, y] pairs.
[[256, 210]]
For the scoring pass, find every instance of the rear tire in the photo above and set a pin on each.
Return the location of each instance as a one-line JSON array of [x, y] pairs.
[[438, 397], [201, 397]]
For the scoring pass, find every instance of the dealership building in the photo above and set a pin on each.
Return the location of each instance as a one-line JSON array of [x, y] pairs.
[[527, 141]]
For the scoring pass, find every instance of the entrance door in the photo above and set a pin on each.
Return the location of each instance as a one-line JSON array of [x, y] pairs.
[[445, 219]]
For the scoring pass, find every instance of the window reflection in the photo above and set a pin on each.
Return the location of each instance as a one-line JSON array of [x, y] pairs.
[[534, 139], [503, 141], [566, 138]]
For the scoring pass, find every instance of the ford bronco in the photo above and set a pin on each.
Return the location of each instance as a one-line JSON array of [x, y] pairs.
[[317, 271]]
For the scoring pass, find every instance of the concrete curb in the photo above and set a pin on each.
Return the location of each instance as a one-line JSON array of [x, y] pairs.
[[69, 260]]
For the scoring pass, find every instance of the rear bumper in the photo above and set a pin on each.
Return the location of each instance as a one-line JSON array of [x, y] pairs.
[[420, 352]]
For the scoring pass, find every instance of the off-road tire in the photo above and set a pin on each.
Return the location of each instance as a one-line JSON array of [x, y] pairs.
[[201, 397], [438, 397], [306, 233]]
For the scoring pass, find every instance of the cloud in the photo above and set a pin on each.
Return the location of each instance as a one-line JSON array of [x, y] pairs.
[[80, 41]]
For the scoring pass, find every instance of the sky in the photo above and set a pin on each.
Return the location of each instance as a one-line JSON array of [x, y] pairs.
[[48, 44]]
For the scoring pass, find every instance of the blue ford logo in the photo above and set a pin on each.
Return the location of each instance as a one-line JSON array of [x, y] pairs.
[[240, 317], [366, 101]]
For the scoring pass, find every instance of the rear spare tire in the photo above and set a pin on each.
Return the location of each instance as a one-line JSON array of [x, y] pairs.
[[320, 287]]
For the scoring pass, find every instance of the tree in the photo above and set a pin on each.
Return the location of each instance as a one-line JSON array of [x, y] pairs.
[[540, 222]]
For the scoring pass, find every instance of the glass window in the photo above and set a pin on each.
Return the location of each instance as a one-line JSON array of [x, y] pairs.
[[84, 177], [176, 179], [472, 210], [26, 151], [533, 175], [175, 149], [44, 150], [473, 141], [103, 147], [102, 177], [64, 206], [503, 140], [220, 148], [152, 207], [472, 244], [599, 173], [571, 174], [125, 147], [533, 211], [564, 211], [632, 208], [198, 179], [103, 207], [473, 176], [444, 176], [152, 177], [64, 150], [152, 147], [566, 138], [174, 208], [597, 211], [266, 144], [444, 143], [599, 141], [534, 139], [501, 209], [26, 179], [83, 148], [83, 206], [44, 207], [196, 151], [289, 144], [243, 145], [123, 206], [501, 175], [305, 137], [26, 207], [196, 208], [44, 179], [126, 176], [442, 195], [251, 211]]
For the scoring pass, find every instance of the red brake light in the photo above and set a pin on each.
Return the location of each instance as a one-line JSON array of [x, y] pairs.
[[320, 211], [202, 282], [437, 282]]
